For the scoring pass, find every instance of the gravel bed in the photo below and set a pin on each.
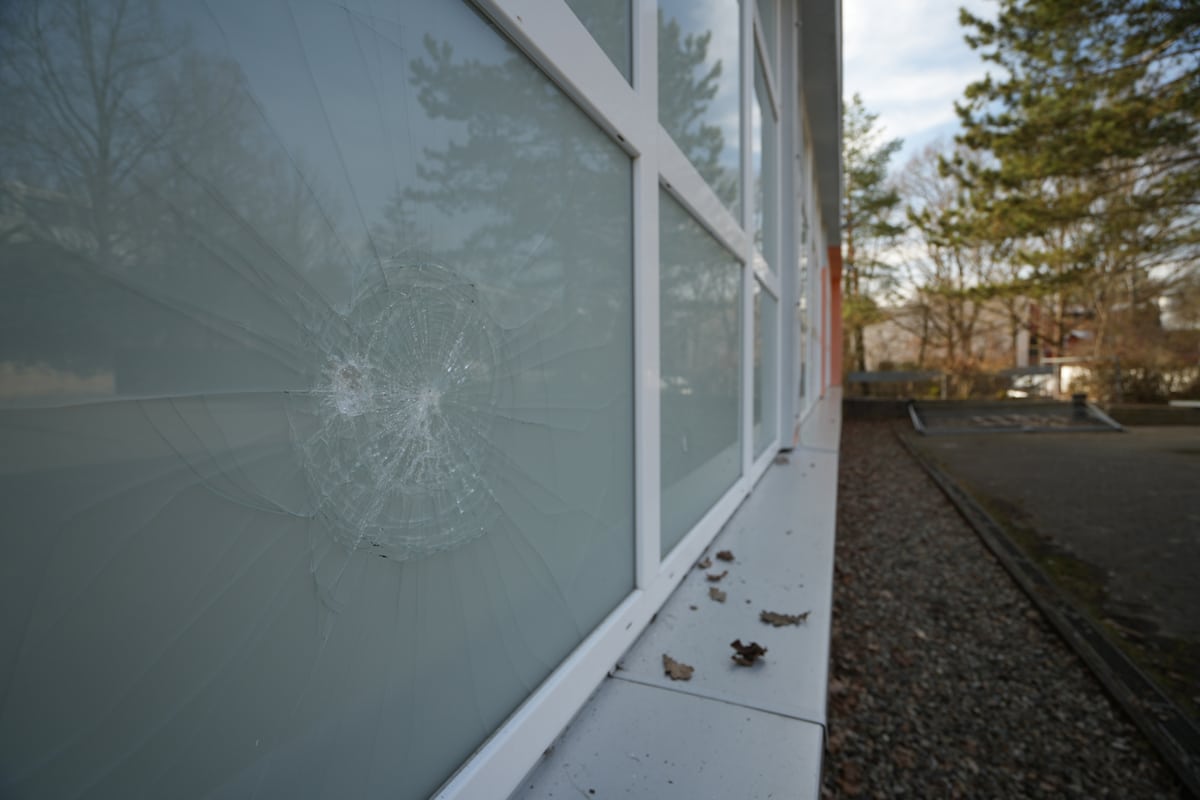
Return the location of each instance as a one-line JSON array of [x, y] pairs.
[[945, 681]]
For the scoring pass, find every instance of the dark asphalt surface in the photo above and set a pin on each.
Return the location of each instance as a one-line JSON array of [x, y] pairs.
[[1123, 509], [1128, 503], [946, 680]]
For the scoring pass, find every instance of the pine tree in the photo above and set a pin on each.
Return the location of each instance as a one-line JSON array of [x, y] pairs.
[[1090, 132], [869, 209]]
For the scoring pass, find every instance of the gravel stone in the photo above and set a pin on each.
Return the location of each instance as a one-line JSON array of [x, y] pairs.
[[945, 680]]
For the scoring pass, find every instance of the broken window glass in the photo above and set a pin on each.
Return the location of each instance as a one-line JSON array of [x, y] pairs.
[[699, 89], [315, 394], [700, 362]]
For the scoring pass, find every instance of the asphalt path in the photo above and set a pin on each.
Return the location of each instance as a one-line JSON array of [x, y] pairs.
[[951, 675], [1114, 518]]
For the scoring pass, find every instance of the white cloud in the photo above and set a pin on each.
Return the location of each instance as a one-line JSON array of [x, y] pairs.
[[908, 60]]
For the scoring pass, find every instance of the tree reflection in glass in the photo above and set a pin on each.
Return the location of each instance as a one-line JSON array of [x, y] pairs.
[[699, 90]]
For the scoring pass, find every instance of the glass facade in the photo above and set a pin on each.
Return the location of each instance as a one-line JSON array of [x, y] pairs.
[[318, 458], [316, 420]]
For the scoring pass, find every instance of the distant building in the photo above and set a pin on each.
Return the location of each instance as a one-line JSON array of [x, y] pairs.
[[910, 336]]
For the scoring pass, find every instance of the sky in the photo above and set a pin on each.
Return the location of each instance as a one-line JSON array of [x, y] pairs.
[[908, 60]]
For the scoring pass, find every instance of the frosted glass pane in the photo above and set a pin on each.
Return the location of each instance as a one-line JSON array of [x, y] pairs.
[[700, 319], [608, 21], [766, 171], [766, 311], [699, 89], [802, 332], [315, 395], [758, 196], [770, 26]]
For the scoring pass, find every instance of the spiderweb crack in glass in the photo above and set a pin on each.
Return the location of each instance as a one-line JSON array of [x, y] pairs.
[[397, 450]]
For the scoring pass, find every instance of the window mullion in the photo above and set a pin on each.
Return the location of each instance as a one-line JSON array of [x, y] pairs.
[[647, 421], [788, 268], [749, 197]]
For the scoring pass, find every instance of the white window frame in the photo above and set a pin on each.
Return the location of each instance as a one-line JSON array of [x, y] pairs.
[[553, 38]]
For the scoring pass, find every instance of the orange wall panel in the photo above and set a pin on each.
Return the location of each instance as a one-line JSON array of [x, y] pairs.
[[834, 342]]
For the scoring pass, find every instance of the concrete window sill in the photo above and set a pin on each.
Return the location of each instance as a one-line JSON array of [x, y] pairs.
[[729, 731]]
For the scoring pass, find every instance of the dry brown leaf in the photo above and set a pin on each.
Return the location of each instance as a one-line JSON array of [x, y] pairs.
[[725, 555], [716, 594], [747, 654], [715, 577], [675, 670], [779, 620], [705, 564]]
